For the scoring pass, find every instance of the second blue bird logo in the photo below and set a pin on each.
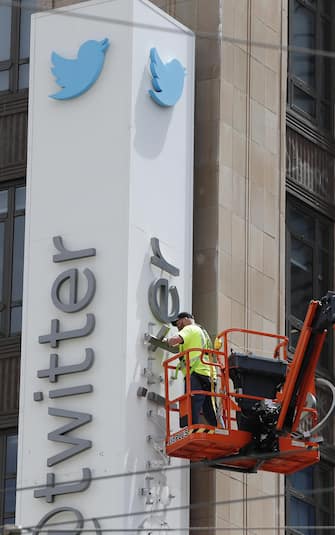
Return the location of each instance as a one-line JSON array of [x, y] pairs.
[[75, 76], [167, 80]]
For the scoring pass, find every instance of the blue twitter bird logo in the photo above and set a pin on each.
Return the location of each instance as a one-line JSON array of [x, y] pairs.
[[75, 76], [167, 80]]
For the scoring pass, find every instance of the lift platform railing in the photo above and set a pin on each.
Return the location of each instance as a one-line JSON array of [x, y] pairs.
[[230, 445], [226, 398], [263, 402], [183, 404], [281, 345]]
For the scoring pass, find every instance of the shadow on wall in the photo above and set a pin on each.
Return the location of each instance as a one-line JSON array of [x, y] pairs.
[[138, 426], [148, 142], [138, 449]]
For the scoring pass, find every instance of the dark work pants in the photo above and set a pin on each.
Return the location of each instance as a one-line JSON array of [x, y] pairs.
[[200, 401]]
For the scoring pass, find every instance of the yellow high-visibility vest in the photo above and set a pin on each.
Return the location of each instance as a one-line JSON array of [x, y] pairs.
[[195, 336]]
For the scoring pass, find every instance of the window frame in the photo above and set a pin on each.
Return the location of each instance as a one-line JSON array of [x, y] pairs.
[[4, 476], [293, 81], [14, 62], [7, 304], [291, 320], [316, 500]]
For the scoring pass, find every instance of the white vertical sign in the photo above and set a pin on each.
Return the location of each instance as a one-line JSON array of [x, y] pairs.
[[109, 168]]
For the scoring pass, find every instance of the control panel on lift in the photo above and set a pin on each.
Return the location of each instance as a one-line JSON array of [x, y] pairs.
[[265, 405]]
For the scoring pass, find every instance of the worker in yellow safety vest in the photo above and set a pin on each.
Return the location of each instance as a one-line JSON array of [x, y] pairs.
[[202, 375]]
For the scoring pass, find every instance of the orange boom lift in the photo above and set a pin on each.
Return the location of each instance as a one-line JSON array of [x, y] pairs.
[[266, 416]]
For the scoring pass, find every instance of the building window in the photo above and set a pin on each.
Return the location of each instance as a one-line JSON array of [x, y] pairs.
[[310, 76], [14, 44], [309, 271], [309, 275], [305, 508], [8, 464], [12, 219]]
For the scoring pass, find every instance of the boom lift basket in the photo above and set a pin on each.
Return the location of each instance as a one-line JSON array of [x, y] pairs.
[[259, 402]]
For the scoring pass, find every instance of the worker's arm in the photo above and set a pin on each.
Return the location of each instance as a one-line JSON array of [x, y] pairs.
[[174, 340]]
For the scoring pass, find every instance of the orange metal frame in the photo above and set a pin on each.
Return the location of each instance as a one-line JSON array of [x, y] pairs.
[[308, 383], [221, 446]]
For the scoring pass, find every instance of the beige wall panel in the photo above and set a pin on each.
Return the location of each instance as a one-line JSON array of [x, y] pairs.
[[251, 148], [226, 187]]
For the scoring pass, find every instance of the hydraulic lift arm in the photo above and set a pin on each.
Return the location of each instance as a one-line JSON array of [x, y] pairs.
[[300, 380]]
